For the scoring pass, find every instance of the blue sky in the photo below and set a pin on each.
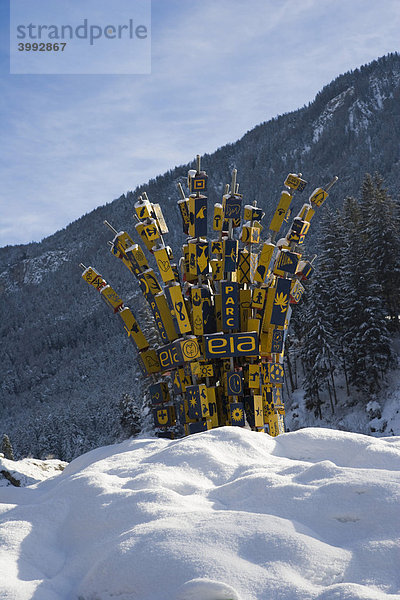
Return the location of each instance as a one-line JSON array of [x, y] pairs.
[[219, 67]]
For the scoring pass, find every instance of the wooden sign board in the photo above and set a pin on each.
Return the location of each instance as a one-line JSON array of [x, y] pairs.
[[177, 304], [184, 210], [230, 305], [230, 255], [281, 211], [132, 328], [230, 345], [234, 383], [198, 216], [148, 361], [281, 302], [164, 416], [159, 393], [237, 414]]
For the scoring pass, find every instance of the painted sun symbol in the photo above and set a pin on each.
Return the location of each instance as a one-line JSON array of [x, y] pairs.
[[193, 401], [237, 414]]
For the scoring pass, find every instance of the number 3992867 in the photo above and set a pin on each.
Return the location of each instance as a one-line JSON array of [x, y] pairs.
[[41, 47]]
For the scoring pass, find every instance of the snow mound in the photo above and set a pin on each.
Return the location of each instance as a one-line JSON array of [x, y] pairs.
[[206, 590], [225, 514], [28, 471]]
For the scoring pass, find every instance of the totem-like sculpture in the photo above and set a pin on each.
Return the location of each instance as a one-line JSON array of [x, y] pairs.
[[222, 313]]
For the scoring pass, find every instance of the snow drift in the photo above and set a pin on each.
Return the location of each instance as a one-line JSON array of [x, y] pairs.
[[225, 514]]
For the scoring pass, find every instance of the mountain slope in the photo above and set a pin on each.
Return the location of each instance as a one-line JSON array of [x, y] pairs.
[[65, 362]]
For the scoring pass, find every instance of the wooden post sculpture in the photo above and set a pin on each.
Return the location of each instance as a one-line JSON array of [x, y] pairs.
[[222, 313]]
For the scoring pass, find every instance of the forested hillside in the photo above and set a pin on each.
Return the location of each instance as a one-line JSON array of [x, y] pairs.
[[68, 376], [345, 330]]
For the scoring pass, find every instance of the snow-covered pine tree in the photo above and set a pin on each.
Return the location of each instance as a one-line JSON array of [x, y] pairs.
[[366, 339], [381, 223], [7, 448], [317, 321], [298, 328], [330, 269], [130, 414], [318, 350]]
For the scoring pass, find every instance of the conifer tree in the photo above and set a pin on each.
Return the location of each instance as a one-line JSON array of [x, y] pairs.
[[318, 350], [365, 338], [352, 294], [322, 323], [294, 344], [7, 448], [330, 269], [130, 415], [381, 228]]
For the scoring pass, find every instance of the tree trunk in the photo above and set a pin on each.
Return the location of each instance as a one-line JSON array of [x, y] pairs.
[[330, 397], [289, 364], [332, 378], [345, 372], [287, 387], [319, 403]]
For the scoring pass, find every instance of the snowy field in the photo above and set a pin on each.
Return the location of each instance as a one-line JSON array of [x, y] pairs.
[[378, 415], [29, 470], [226, 514]]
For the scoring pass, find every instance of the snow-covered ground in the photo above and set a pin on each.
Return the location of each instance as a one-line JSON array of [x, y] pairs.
[[376, 414], [28, 470], [222, 514]]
